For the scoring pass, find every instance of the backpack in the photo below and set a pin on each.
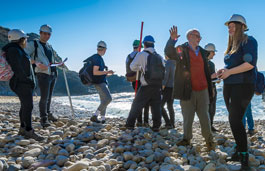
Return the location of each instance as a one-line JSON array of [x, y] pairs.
[[155, 70], [6, 72], [86, 72], [130, 75], [260, 84]]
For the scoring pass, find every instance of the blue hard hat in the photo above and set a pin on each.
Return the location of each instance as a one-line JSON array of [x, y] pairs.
[[149, 39]]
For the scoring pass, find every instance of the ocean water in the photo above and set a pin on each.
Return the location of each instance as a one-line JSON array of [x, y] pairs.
[[121, 104]]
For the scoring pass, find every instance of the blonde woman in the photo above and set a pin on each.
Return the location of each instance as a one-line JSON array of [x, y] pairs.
[[239, 78]]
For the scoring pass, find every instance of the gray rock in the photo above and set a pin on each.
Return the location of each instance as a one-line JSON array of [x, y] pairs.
[[102, 143], [22, 142], [70, 147], [14, 167], [78, 166], [107, 167], [86, 137], [112, 162], [190, 168], [128, 164], [159, 157], [222, 168], [150, 159], [54, 149], [63, 152], [102, 150], [17, 151], [89, 156], [60, 160], [27, 162], [210, 167], [96, 163], [33, 153], [128, 156], [60, 133], [119, 149]]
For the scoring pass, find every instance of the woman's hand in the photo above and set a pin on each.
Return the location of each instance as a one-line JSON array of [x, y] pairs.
[[224, 74]]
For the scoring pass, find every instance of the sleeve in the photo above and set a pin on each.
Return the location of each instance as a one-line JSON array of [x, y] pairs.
[[30, 48], [96, 62], [170, 49], [166, 77], [13, 56], [137, 61], [250, 51]]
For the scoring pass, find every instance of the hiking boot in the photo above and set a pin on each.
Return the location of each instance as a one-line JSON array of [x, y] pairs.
[[244, 161], [251, 132], [146, 124], [45, 123], [103, 121], [155, 129], [95, 119], [52, 118], [31, 134], [139, 124], [210, 146], [183, 142], [214, 129], [21, 131]]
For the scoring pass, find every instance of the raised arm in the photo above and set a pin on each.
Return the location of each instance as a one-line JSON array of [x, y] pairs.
[[170, 49]]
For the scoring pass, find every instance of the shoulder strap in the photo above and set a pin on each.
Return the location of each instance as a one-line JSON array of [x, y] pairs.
[[35, 50]]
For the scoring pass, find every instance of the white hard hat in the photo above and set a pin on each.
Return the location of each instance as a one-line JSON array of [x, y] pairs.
[[16, 34], [46, 28], [238, 18], [210, 47], [102, 44]]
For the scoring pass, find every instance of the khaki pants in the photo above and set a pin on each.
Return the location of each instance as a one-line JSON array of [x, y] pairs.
[[198, 103]]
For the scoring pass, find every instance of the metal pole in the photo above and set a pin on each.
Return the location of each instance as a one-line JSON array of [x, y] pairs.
[[68, 93]]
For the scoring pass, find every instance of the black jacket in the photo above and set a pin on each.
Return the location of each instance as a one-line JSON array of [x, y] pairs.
[[182, 81], [20, 64]]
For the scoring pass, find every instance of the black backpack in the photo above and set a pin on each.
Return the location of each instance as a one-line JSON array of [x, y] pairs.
[[155, 70], [260, 83], [86, 72]]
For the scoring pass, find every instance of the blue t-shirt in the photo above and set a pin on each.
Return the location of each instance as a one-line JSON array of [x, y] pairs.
[[97, 60], [247, 52]]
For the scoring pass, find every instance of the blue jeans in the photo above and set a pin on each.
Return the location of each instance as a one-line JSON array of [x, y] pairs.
[[249, 118]]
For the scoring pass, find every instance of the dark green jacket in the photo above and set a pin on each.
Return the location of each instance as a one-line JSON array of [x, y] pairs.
[[182, 82]]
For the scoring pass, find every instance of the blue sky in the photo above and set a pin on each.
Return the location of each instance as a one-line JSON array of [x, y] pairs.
[[78, 25]]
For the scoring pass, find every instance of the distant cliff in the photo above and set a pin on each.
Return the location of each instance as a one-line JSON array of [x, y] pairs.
[[116, 83]]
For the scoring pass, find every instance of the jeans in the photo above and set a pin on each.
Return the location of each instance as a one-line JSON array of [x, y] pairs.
[[46, 84], [105, 97], [237, 97], [146, 94], [248, 116], [167, 98], [146, 108]]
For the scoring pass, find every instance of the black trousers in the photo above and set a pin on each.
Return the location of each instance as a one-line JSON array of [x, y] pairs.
[[237, 97], [146, 94], [146, 108], [24, 93], [212, 105], [167, 98], [46, 84]]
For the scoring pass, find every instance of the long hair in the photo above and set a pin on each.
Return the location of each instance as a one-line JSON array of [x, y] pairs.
[[237, 39]]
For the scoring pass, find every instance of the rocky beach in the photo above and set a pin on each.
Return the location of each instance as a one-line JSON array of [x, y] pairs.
[[78, 144]]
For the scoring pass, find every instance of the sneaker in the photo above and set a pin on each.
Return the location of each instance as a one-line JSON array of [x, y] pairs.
[[31, 134], [52, 118], [95, 119], [214, 129], [155, 129], [45, 123], [251, 132], [183, 142], [21, 131], [210, 146], [244, 159]]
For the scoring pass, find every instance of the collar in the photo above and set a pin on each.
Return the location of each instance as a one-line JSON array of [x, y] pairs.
[[197, 50], [150, 49]]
